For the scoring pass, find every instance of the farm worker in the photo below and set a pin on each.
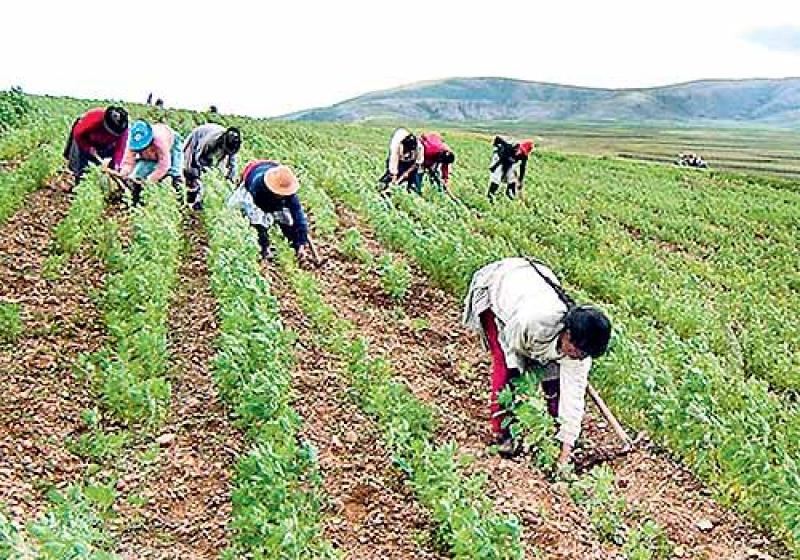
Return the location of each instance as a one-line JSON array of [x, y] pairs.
[[267, 194], [207, 146], [98, 134], [406, 156], [509, 160], [437, 159], [154, 152], [527, 320]]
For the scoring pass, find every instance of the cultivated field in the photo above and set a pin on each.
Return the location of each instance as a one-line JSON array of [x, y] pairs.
[[166, 395]]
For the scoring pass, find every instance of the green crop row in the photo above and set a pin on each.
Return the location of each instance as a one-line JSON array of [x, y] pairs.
[[85, 217], [132, 373], [732, 432], [277, 499], [467, 527], [73, 528], [25, 179]]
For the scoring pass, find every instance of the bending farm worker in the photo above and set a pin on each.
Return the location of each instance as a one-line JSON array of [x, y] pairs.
[[209, 145], [98, 134], [406, 156], [509, 161], [267, 194], [154, 152], [438, 157], [527, 320]]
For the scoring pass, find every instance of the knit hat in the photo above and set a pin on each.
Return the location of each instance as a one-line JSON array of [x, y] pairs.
[[140, 136], [231, 140], [281, 181], [115, 119], [525, 147]]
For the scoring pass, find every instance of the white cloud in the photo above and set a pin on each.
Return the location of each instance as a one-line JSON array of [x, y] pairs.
[[274, 57]]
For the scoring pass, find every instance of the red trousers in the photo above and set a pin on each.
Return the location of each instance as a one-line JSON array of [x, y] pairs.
[[502, 376]]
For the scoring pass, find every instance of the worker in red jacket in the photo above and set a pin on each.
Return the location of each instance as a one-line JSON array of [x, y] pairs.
[[438, 159], [97, 135]]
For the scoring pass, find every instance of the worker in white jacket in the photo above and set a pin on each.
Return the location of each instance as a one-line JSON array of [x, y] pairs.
[[527, 320], [404, 163]]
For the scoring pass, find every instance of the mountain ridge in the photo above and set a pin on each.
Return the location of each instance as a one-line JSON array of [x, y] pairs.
[[769, 101]]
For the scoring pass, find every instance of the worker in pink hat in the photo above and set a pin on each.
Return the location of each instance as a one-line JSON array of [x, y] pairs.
[[267, 194], [509, 161]]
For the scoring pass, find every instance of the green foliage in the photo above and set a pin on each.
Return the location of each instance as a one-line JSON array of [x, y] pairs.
[[15, 107], [352, 246], [97, 444], [28, 177], [596, 492], [132, 373], [467, 527], [395, 276], [85, 215], [10, 322], [529, 420], [277, 499], [73, 529], [648, 542]]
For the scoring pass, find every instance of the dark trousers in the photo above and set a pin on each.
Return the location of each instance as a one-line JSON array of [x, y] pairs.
[[78, 160], [413, 180]]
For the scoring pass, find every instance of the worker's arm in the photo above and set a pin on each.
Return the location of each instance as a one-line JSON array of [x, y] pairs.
[[163, 145], [522, 166], [573, 379], [231, 175], [446, 173], [128, 162], [119, 150], [299, 222]]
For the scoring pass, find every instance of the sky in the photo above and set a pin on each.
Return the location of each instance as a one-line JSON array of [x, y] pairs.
[[270, 58]]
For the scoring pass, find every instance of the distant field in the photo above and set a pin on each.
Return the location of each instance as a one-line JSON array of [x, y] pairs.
[[764, 151]]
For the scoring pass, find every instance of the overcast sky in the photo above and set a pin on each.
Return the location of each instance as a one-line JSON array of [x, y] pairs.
[[269, 58]]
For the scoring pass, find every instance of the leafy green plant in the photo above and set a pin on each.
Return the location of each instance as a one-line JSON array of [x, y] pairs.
[[648, 542], [395, 276], [10, 322], [595, 491], [352, 246]]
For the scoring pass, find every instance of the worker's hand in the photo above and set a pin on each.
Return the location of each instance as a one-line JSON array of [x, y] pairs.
[[564, 456], [303, 255]]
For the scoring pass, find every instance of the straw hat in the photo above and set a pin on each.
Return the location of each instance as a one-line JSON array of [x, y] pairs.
[[281, 181]]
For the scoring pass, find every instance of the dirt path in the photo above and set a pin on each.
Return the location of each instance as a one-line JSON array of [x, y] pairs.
[[372, 513], [444, 364], [42, 399], [179, 506]]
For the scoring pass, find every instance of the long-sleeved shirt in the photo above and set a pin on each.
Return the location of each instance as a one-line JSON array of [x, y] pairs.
[[270, 203], [433, 145], [203, 149], [396, 153], [161, 148], [91, 134], [530, 317]]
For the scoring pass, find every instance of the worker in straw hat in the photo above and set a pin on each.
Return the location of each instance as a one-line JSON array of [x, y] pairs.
[[267, 194], [154, 153], [98, 134]]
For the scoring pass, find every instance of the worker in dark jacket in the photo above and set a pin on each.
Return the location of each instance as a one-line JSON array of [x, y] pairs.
[[97, 135], [267, 194], [509, 161], [209, 145]]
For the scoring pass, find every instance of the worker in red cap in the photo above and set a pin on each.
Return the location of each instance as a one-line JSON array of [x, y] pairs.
[[438, 159], [509, 160], [267, 194], [97, 135]]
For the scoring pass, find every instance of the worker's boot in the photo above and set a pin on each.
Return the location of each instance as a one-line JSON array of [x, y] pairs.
[[507, 447], [493, 188], [511, 191]]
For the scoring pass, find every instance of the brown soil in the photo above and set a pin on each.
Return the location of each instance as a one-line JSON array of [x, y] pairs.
[[445, 365], [371, 513], [42, 396], [179, 506]]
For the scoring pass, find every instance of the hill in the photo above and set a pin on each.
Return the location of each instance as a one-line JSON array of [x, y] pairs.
[[773, 102]]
